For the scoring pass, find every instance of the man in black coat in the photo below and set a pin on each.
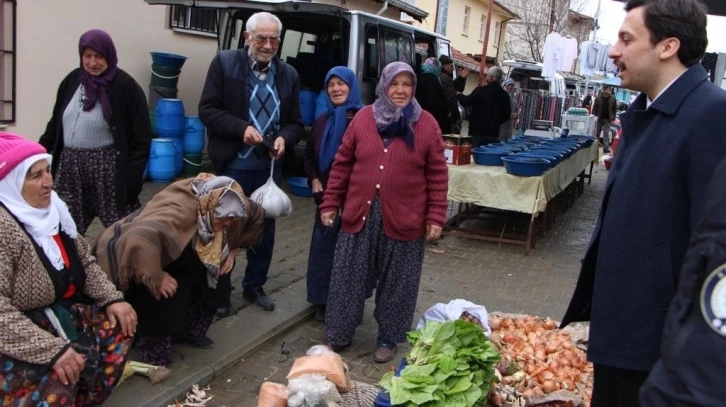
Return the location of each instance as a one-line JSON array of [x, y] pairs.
[[654, 195], [250, 105], [490, 108], [447, 82], [693, 349], [605, 109]]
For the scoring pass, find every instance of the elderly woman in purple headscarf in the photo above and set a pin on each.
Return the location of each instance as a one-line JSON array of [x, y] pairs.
[[99, 135], [390, 180]]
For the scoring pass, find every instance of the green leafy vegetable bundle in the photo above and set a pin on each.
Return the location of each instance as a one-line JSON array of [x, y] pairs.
[[450, 365]]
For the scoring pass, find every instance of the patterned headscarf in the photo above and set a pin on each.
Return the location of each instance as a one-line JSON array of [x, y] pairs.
[[392, 120], [508, 81], [337, 120], [219, 198], [432, 66], [96, 87]]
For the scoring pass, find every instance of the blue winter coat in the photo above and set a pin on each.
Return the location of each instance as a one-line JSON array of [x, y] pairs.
[[653, 199]]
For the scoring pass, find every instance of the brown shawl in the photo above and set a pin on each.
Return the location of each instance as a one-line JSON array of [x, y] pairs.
[[138, 247]]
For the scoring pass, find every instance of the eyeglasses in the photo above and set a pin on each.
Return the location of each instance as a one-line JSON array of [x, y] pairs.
[[261, 40]]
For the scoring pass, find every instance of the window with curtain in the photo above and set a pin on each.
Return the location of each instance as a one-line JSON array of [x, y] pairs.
[[467, 14], [482, 27]]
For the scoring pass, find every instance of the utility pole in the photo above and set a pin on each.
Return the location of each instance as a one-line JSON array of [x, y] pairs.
[[482, 63]]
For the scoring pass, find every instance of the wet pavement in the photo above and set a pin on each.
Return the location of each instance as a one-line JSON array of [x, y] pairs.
[[502, 278]]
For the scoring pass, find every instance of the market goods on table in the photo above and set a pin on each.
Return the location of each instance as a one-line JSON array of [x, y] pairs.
[[538, 359]]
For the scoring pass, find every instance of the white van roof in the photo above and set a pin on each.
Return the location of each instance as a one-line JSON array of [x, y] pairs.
[[292, 5]]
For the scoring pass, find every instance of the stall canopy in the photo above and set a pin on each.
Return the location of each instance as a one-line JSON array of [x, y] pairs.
[[715, 7]]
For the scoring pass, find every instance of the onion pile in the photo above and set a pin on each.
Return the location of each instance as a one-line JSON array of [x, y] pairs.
[[546, 355]]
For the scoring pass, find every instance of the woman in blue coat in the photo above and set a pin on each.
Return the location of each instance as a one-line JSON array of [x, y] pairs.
[[343, 102]]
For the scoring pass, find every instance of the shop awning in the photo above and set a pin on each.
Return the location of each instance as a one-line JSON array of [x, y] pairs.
[[715, 7]]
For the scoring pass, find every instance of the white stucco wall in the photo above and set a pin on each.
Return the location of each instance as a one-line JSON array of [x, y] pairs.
[[47, 41]]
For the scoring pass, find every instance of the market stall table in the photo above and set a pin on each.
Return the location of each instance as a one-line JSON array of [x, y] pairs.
[[492, 187]]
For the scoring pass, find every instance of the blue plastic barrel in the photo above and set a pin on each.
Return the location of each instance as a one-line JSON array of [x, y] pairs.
[[194, 136], [178, 155], [161, 160], [321, 103], [170, 121], [307, 106]]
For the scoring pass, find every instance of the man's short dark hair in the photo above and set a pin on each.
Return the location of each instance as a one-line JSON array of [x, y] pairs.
[[610, 88], [682, 19], [445, 60]]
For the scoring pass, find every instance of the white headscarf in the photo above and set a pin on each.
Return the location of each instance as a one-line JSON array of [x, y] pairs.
[[41, 224]]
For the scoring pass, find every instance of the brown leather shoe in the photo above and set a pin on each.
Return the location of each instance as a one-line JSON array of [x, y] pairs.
[[384, 354]]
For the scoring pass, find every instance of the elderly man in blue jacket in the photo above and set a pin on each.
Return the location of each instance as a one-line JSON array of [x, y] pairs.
[[674, 135], [251, 107]]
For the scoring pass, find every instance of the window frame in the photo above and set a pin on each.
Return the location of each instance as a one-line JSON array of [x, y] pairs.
[[12, 53], [482, 28], [467, 17], [399, 37], [497, 33], [374, 30], [193, 27]]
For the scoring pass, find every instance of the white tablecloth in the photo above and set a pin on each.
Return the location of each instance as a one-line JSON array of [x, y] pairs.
[[492, 187]]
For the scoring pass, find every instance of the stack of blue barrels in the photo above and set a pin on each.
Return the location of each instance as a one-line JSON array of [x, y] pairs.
[[165, 71], [312, 104], [179, 139]]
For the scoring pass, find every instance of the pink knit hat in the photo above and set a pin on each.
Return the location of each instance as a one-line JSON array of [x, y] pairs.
[[14, 150]]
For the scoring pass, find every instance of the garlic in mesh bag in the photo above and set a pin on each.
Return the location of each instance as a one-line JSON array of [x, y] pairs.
[[272, 199]]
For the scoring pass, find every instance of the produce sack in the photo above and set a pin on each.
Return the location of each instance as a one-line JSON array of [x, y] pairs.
[[272, 395], [453, 310], [311, 390], [272, 199], [329, 365]]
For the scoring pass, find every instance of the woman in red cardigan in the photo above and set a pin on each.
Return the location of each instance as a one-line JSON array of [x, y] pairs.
[[390, 179]]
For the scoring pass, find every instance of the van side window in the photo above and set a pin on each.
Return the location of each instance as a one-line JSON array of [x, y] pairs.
[[296, 43], [397, 47], [370, 54]]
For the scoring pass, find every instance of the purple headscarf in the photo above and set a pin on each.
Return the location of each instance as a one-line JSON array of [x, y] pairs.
[[392, 120], [97, 86]]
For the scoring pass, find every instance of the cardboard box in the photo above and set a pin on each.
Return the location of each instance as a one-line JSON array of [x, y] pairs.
[[457, 149]]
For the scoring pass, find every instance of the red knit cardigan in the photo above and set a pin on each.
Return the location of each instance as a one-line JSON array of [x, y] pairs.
[[412, 185]]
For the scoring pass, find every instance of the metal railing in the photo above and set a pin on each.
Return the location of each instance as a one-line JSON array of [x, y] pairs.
[[196, 19]]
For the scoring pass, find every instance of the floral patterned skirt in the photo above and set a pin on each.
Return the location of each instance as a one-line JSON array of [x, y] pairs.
[[24, 384]]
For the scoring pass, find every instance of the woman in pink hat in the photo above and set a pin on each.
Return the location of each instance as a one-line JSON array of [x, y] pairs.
[[65, 330]]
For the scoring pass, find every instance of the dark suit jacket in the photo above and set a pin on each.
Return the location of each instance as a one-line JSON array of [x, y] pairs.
[[653, 199]]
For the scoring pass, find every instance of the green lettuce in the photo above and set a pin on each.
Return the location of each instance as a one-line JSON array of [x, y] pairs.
[[450, 364]]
